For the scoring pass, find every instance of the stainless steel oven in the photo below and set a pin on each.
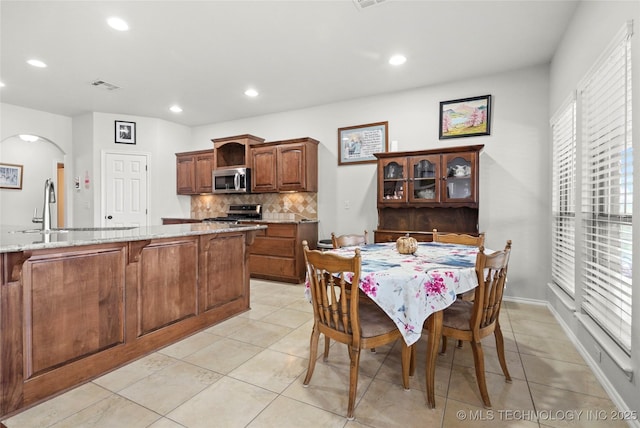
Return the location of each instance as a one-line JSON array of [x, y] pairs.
[[234, 180]]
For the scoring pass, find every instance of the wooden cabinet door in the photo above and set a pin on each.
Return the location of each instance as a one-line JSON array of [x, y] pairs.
[[292, 175], [460, 177], [392, 181], [203, 173], [186, 174], [263, 169], [424, 179]]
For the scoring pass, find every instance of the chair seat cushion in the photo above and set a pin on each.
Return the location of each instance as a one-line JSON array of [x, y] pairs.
[[374, 321], [458, 315]]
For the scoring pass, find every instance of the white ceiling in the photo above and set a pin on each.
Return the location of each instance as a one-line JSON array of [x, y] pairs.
[[202, 55]]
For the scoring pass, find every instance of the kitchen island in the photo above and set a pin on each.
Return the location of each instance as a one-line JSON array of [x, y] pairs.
[[76, 304]]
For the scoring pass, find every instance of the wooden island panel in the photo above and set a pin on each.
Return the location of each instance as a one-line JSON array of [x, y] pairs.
[[222, 281], [74, 305], [168, 284], [71, 314]]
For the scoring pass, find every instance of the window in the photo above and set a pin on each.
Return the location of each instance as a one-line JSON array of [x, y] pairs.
[[563, 204], [607, 191]]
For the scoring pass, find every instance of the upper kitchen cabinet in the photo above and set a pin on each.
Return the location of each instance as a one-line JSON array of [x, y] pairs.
[[285, 166], [234, 152], [194, 172]]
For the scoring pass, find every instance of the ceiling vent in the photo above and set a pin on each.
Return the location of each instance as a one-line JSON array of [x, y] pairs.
[[105, 85], [363, 4]]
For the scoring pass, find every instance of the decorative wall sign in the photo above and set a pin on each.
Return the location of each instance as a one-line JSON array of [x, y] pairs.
[[357, 144], [10, 176], [125, 132], [466, 117]]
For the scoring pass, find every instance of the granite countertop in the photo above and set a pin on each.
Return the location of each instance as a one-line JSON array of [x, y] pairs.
[[268, 220], [12, 238], [264, 220]]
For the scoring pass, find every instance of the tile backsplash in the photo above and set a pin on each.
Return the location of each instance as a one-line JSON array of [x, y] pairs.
[[275, 206]]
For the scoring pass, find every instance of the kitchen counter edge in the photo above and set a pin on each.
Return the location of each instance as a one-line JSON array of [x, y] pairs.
[[12, 240]]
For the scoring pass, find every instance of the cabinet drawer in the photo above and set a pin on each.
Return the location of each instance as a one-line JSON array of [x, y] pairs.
[[282, 247], [281, 230], [273, 266]]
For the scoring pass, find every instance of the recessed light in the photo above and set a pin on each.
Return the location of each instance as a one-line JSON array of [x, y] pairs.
[[117, 24], [251, 93], [176, 109], [397, 60], [28, 138], [36, 63]]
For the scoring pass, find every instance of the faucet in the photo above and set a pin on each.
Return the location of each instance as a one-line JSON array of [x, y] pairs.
[[49, 198]]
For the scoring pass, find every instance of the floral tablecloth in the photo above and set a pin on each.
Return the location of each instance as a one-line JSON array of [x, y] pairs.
[[411, 287]]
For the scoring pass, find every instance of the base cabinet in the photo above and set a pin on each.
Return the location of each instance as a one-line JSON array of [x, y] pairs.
[[72, 314], [277, 254]]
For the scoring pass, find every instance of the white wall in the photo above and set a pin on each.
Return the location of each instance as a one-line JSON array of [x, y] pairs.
[[593, 27], [83, 206], [160, 140], [514, 163], [38, 160]]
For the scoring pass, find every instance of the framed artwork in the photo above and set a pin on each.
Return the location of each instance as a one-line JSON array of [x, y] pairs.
[[125, 132], [466, 117], [357, 144], [10, 176]]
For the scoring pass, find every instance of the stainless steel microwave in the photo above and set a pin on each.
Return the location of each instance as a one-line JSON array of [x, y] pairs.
[[234, 180]]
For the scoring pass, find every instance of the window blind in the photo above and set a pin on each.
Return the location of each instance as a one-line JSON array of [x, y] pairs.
[[607, 189], [563, 205]]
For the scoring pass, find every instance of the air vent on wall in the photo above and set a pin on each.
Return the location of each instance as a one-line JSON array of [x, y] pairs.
[[362, 4], [105, 85]]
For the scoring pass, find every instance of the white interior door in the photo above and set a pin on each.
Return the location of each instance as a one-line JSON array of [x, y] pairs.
[[125, 190]]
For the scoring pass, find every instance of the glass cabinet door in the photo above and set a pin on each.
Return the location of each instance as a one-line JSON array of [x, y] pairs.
[[394, 180], [424, 179], [459, 177]]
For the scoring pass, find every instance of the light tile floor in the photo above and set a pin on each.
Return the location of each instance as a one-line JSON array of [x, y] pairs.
[[248, 372]]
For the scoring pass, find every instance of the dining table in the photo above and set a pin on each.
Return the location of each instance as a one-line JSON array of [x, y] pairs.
[[415, 288]]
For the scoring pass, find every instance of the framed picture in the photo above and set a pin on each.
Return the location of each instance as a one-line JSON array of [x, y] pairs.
[[466, 117], [10, 176], [125, 132], [357, 144]]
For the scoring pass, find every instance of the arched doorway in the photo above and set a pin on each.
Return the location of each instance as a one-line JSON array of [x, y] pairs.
[[40, 159]]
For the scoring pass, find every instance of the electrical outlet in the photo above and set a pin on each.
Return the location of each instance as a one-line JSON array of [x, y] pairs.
[[347, 204]]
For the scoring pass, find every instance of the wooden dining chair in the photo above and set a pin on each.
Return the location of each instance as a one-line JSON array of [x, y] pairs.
[[462, 239], [472, 321], [338, 315], [348, 240], [458, 238]]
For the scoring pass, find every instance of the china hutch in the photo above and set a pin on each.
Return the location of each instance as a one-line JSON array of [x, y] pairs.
[[420, 191]]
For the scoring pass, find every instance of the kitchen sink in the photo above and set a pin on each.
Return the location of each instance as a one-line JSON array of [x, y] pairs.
[[75, 229]]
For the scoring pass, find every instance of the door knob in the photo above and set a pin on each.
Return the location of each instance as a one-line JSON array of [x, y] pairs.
[[109, 217]]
